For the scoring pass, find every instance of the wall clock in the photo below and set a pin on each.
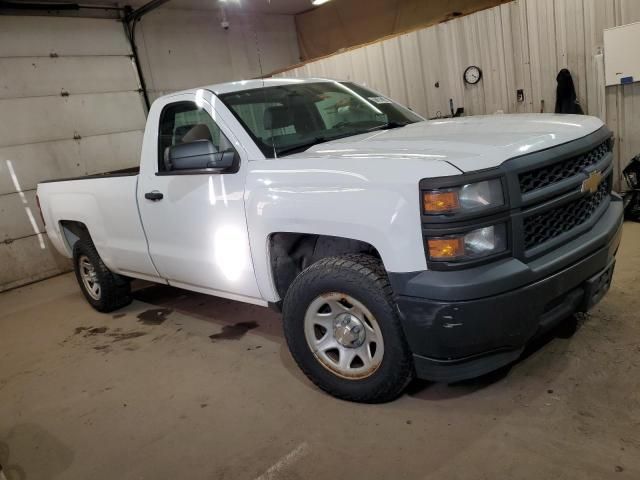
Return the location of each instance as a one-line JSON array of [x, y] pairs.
[[472, 75]]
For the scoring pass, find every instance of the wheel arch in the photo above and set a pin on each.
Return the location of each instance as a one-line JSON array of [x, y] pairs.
[[291, 252], [72, 231]]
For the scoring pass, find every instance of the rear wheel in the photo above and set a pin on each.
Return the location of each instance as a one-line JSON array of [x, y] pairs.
[[103, 289], [343, 330]]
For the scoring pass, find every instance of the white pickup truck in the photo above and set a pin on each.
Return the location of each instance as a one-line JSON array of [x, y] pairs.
[[395, 247]]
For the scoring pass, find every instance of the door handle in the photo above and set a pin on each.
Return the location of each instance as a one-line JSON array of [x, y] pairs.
[[154, 196]]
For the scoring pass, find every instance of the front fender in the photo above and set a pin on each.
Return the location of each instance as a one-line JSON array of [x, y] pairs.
[[371, 205]]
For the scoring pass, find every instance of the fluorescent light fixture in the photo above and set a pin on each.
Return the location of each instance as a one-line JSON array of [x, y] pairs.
[[318, 2]]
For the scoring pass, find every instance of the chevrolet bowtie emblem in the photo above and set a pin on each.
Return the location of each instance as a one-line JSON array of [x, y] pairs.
[[592, 183]]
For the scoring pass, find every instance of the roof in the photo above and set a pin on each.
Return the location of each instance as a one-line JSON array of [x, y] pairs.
[[229, 87]]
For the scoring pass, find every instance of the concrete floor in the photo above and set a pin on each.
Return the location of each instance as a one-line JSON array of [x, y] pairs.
[[180, 385]]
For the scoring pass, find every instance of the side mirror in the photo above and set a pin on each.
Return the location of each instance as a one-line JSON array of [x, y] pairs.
[[200, 155]]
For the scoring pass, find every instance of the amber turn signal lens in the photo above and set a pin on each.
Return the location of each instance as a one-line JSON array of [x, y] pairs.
[[445, 248], [437, 202]]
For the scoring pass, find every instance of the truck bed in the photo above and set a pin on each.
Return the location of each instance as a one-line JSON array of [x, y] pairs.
[[124, 172], [106, 204]]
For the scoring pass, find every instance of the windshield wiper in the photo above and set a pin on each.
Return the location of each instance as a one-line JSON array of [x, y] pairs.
[[303, 146], [389, 126], [316, 140]]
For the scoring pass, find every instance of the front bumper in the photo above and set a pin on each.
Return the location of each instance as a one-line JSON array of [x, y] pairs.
[[465, 323]]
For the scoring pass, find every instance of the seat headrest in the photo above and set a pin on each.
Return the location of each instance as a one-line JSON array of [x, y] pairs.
[[180, 132], [277, 117], [197, 132]]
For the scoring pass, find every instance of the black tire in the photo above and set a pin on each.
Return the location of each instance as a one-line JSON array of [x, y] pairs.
[[363, 278], [115, 290]]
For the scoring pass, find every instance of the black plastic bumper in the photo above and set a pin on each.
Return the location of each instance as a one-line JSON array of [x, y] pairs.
[[462, 324]]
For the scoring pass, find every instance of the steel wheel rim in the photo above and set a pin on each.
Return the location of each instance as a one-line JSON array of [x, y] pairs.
[[89, 277], [330, 328]]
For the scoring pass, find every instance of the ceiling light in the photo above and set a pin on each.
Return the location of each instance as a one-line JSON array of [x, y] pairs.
[[318, 2]]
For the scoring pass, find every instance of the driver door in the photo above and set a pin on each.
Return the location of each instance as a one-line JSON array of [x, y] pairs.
[[195, 219]]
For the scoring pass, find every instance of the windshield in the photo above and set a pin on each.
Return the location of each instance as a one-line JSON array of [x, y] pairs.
[[291, 118]]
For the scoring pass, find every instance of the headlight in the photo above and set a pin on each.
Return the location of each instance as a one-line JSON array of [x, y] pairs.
[[467, 246], [466, 198]]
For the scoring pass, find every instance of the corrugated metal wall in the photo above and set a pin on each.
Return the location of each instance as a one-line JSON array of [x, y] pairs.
[[520, 45], [69, 106]]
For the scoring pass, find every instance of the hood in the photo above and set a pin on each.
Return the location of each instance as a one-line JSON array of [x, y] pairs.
[[468, 143]]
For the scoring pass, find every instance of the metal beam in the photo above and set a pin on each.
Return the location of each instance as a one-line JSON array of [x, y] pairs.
[[143, 10], [9, 5], [53, 6], [130, 31], [130, 19]]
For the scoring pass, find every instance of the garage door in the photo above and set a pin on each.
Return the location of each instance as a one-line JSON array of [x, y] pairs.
[[69, 106]]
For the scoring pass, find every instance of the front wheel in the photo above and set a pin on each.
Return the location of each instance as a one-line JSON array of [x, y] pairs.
[[343, 330]]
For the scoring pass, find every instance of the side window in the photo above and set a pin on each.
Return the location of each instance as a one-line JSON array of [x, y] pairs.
[[185, 122]]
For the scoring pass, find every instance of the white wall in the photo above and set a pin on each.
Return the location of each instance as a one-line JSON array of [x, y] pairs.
[[69, 106], [522, 44], [182, 49]]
